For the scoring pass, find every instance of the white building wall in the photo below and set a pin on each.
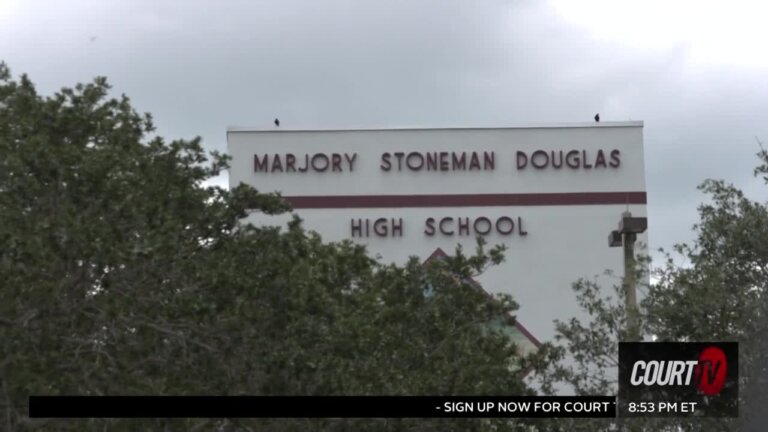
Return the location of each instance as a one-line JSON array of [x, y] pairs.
[[563, 242]]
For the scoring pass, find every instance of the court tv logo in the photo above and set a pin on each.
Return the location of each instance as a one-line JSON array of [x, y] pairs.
[[704, 373], [708, 373]]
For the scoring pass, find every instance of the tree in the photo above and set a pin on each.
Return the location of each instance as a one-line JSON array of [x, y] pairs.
[[723, 290], [718, 295], [121, 274]]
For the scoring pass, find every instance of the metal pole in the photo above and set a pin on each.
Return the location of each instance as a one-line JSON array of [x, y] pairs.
[[630, 294], [630, 286], [626, 236]]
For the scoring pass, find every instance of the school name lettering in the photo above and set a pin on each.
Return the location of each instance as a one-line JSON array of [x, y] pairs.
[[438, 161], [445, 226]]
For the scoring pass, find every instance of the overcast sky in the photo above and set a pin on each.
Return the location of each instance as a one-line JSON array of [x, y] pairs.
[[695, 71]]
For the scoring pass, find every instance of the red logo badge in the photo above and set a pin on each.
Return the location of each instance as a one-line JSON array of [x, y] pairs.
[[711, 371]]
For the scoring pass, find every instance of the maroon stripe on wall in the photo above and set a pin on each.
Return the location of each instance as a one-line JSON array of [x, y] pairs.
[[468, 200]]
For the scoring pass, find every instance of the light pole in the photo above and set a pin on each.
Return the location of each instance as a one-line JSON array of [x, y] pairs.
[[626, 235]]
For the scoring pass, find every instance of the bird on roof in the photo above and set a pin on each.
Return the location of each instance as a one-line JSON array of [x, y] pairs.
[[597, 117], [277, 122]]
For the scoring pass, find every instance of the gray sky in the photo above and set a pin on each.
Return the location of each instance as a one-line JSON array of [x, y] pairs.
[[694, 71]]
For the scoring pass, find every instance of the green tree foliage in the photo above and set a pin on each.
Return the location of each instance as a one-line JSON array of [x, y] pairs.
[[712, 290], [121, 274], [721, 293]]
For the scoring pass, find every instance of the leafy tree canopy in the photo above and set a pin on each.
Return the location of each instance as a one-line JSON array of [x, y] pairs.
[[120, 273]]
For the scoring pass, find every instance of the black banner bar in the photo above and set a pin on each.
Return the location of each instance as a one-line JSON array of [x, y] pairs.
[[321, 406]]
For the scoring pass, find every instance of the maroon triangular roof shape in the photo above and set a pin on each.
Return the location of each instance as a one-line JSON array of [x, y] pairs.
[[439, 253]]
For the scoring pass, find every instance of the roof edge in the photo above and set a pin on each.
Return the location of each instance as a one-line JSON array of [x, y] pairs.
[[609, 124]]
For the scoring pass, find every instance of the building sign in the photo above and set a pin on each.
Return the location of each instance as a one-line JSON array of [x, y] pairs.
[[551, 194], [434, 161]]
